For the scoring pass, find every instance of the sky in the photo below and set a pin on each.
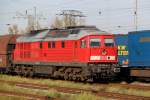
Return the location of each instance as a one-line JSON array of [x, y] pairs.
[[117, 16]]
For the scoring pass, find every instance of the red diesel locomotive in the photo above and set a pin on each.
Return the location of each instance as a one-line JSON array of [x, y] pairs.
[[82, 53]]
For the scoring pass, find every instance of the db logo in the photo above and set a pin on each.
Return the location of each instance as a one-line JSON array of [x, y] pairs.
[[104, 52]]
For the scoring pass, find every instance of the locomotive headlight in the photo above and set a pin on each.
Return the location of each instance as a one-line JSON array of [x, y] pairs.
[[104, 52], [111, 57]]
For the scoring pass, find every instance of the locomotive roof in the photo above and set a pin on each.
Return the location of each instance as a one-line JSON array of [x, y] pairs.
[[69, 33]]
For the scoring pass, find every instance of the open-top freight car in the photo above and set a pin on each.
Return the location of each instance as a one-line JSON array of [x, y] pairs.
[[73, 53], [7, 45]]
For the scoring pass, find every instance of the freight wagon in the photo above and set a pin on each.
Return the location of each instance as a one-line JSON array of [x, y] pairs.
[[122, 45], [139, 57], [123, 54]]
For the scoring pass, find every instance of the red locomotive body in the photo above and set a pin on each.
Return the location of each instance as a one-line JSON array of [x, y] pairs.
[[77, 53]]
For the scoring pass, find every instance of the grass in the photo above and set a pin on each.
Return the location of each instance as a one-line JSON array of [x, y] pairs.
[[87, 96], [13, 88], [11, 98]]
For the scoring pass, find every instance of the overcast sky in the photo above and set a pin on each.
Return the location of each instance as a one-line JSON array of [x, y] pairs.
[[117, 16]]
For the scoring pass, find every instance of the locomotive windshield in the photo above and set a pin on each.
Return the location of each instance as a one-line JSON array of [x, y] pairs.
[[109, 42], [95, 42]]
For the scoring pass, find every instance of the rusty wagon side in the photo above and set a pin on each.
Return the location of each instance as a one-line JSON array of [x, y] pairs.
[[7, 44]]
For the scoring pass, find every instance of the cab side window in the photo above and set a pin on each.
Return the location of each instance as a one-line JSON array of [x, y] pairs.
[[108, 42], [94, 42], [49, 44], [63, 44], [53, 44], [83, 44], [41, 45]]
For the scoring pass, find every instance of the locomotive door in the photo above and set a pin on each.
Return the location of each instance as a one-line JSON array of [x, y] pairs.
[[75, 51], [10, 49], [94, 44]]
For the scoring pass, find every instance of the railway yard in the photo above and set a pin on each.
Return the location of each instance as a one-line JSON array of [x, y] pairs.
[[73, 50], [44, 89]]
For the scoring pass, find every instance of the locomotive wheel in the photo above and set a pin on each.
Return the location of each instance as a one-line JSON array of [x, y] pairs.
[[70, 76], [17, 70], [66, 76], [74, 78], [82, 78], [31, 73], [26, 72], [66, 73], [90, 80], [56, 74], [20, 72]]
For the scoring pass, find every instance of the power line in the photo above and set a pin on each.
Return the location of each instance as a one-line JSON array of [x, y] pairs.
[[136, 16], [33, 19], [71, 17]]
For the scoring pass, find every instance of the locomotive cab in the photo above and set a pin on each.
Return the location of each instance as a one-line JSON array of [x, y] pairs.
[[102, 49]]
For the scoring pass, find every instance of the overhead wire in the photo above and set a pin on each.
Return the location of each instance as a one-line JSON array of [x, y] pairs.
[[109, 10]]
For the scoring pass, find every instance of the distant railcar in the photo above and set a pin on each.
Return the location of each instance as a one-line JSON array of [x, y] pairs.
[[73, 53], [123, 54], [139, 53], [122, 45]]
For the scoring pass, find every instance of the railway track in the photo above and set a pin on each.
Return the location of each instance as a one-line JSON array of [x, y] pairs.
[[117, 96], [133, 86], [98, 93], [24, 95], [127, 86]]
